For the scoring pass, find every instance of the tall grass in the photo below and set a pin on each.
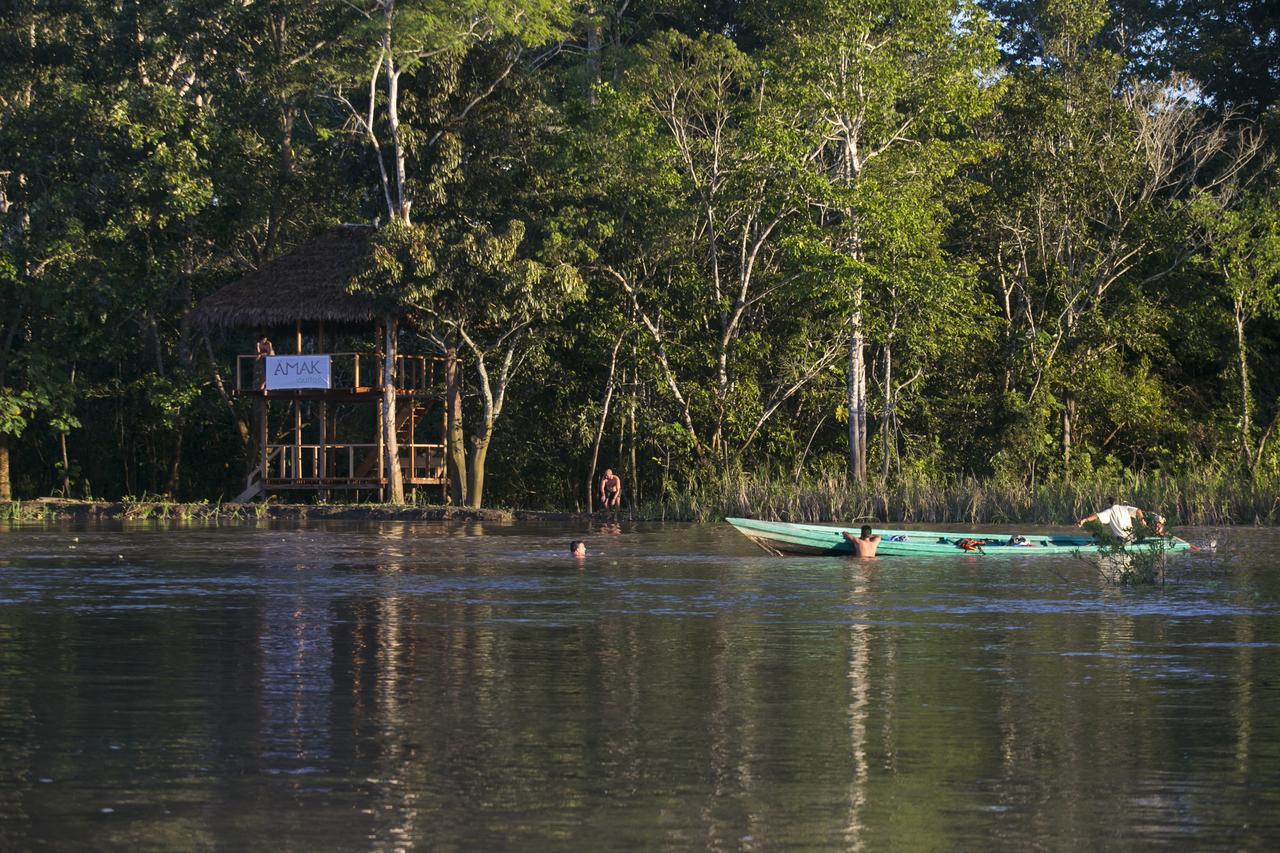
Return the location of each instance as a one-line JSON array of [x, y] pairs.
[[1201, 497], [1206, 496], [25, 511]]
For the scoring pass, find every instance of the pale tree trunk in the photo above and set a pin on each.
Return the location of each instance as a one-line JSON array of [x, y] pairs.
[[856, 393], [401, 207], [664, 362], [1068, 423], [1246, 395], [595, 40], [886, 415], [1068, 407], [493, 393], [604, 416], [479, 452], [456, 450], [856, 382], [633, 471], [391, 447]]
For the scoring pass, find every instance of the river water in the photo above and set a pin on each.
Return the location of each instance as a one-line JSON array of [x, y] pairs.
[[397, 686]]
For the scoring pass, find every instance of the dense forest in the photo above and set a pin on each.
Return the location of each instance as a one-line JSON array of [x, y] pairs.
[[740, 252]]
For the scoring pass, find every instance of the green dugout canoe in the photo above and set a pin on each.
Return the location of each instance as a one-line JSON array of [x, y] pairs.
[[780, 537]]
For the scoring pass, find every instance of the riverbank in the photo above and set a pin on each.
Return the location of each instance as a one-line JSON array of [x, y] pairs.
[[56, 509], [1204, 496]]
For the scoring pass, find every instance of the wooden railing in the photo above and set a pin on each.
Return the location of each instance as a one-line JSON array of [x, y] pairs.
[[356, 371], [349, 464]]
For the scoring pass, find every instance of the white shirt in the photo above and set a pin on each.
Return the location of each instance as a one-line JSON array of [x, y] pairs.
[[1120, 518]]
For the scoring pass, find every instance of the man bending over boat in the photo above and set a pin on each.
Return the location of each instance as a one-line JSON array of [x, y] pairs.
[[1119, 517], [865, 544]]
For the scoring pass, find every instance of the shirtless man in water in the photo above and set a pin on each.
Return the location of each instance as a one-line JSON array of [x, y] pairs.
[[865, 544], [610, 490]]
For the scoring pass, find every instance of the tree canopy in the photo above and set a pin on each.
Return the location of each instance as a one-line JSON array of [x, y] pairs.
[[1023, 240]]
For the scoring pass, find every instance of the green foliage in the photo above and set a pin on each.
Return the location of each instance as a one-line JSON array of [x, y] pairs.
[[1073, 238], [1138, 561], [16, 409], [1244, 248]]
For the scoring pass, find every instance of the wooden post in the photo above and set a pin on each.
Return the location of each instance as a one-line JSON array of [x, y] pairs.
[[382, 485], [382, 421], [263, 412], [413, 419], [297, 439], [322, 466]]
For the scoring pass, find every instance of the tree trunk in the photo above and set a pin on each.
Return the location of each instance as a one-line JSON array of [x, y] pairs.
[[279, 201], [856, 394], [456, 449], [595, 40], [886, 416], [1068, 419], [1068, 404], [391, 447], [1246, 396], [479, 450], [633, 470], [604, 416], [242, 428], [66, 466], [175, 462], [401, 210], [6, 487]]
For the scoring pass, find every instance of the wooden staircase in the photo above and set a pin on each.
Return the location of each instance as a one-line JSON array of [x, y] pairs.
[[403, 410], [254, 489]]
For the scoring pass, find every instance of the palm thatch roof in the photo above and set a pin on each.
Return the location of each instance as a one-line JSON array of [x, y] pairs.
[[308, 283]]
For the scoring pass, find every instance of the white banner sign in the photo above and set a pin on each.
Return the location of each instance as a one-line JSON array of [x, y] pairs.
[[285, 372]]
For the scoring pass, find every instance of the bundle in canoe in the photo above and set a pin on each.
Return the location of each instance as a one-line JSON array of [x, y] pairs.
[[780, 537]]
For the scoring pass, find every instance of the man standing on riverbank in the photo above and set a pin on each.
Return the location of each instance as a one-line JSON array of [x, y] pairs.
[[610, 490]]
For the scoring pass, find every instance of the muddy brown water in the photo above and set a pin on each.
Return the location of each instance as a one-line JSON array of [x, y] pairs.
[[395, 686]]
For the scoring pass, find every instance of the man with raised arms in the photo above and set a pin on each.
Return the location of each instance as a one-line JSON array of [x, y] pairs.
[[865, 544]]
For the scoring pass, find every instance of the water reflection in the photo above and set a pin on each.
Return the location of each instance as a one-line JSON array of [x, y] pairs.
[[864, 574], [396, 686]]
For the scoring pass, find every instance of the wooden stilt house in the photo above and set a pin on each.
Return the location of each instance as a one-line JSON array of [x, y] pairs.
[[320, 416]]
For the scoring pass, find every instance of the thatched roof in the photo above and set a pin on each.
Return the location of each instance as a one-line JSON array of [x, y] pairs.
[[309, 283]]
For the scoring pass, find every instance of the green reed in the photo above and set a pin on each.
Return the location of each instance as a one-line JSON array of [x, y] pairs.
[[1201, 497]]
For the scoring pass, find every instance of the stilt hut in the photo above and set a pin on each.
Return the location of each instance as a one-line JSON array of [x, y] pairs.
[[322, 412]]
